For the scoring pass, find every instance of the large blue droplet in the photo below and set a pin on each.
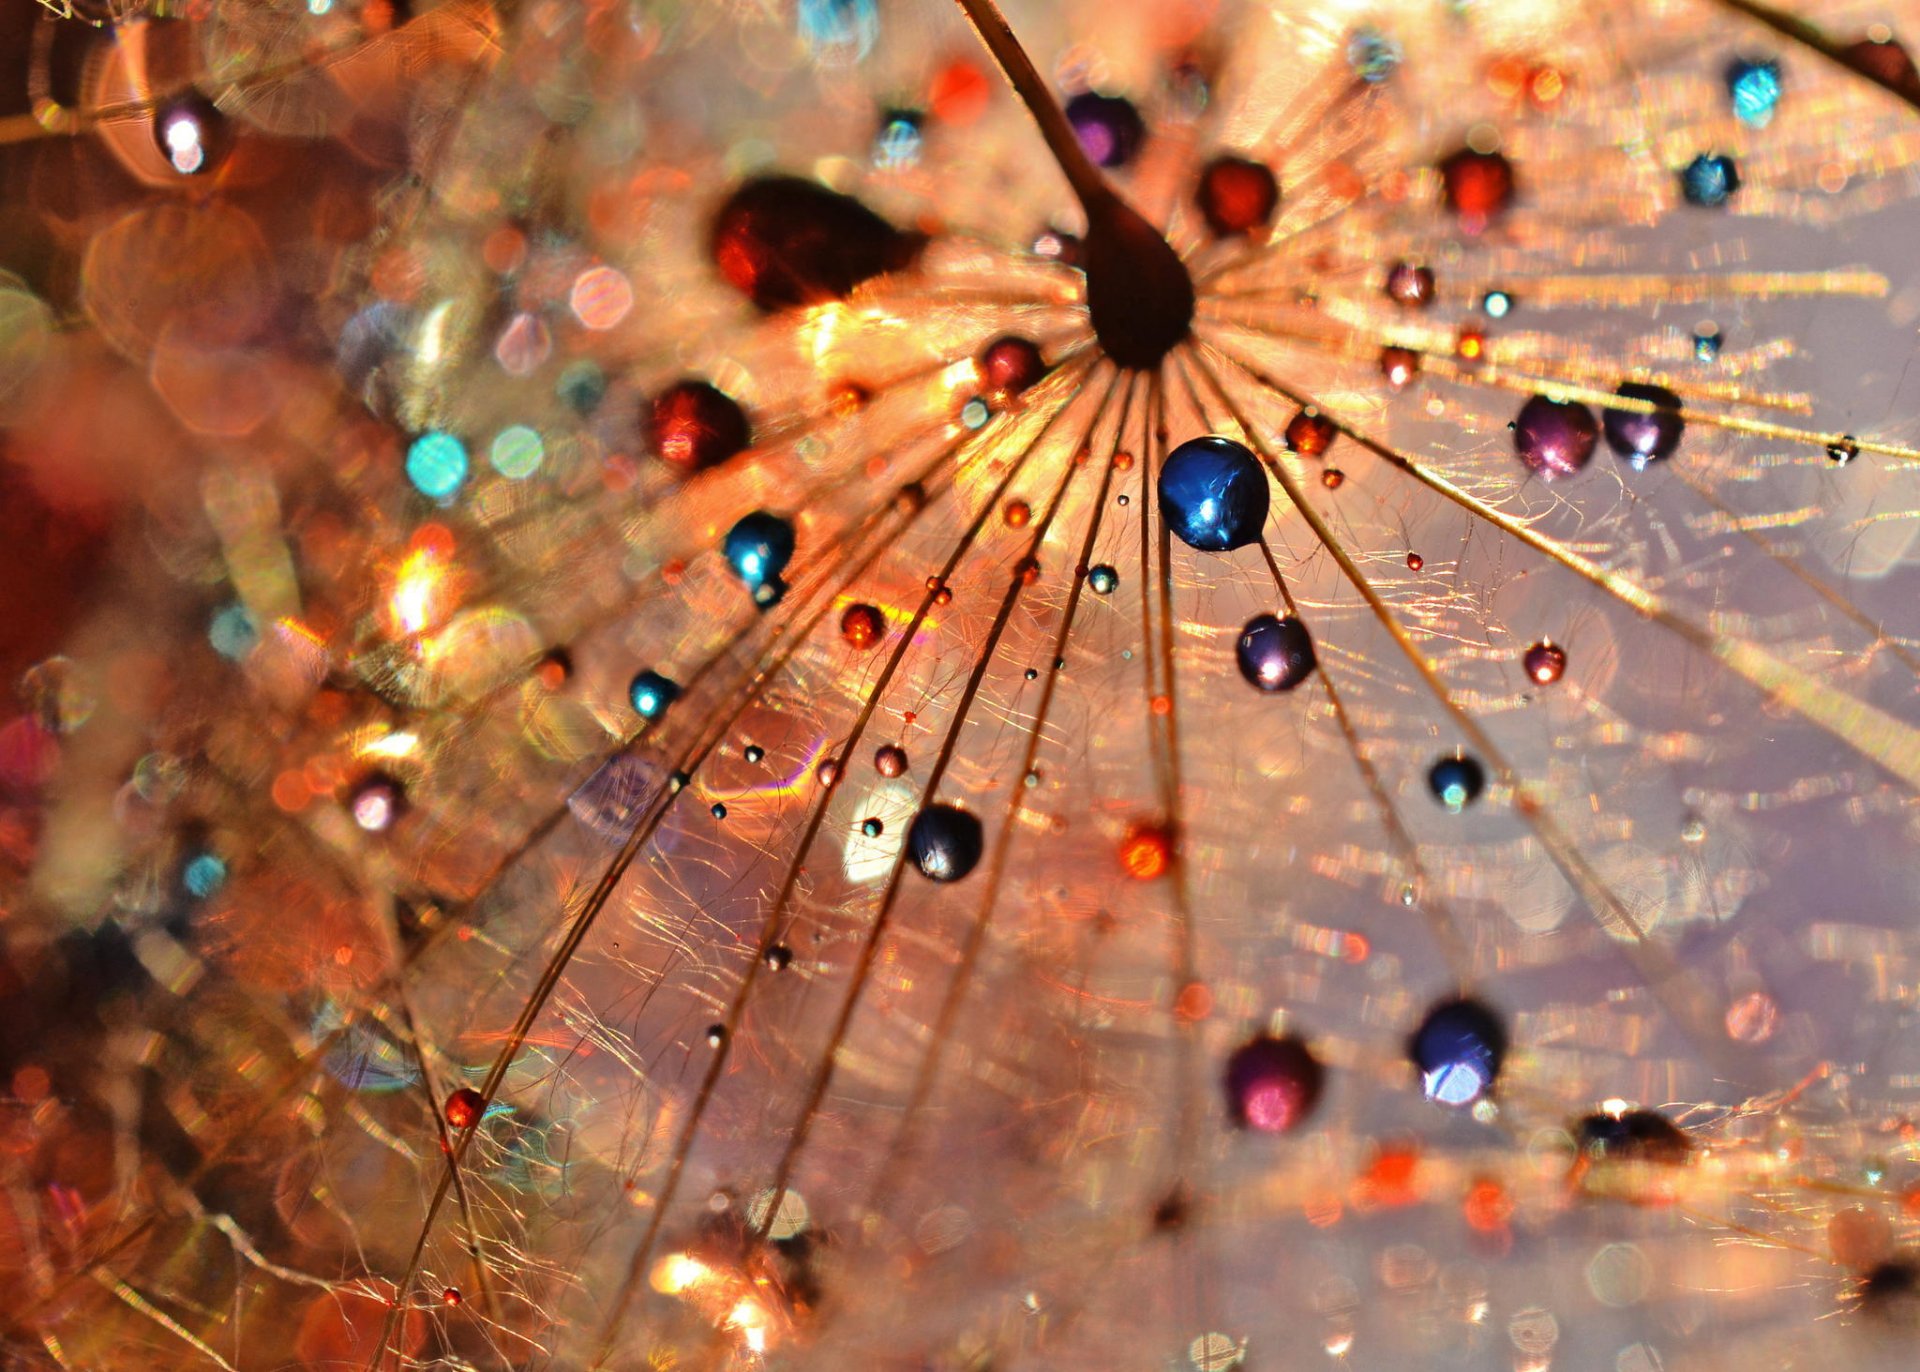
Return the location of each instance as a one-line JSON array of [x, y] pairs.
[[945, 842], [1213, 495], [1753, 88], [1458, 1048], [759, 547], [1275, 654], [651, 693], [1709, 181]]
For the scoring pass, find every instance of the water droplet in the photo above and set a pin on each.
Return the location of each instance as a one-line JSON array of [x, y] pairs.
[[784, 241], [1457, 781], [1275, 654], [1236, 195], [945, 842], [890, 760], [861, 626], [694, 425], [1410, 285], [758, 547], [1108, 127], [1754, 90], [1709, 181], [1103, 579], [1458, 1050], [1642, 437], [1545, 662], [651, 693], [1213, 494], [1478, 186], [1310, 433], [872, 827], [1272, 1084], [1554, 438], [1010, 364], [1373, 56], [376, 802]]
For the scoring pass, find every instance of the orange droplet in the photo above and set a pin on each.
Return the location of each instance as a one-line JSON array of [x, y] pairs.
[[1389, 1178], [1146, 852], [959, 93], [1194, 1003], [1016, 513], [1487, 1206], [1323, 1209], [290, 791]]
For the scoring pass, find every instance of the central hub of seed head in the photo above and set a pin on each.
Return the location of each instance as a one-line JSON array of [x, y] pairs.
[[1138, 290]]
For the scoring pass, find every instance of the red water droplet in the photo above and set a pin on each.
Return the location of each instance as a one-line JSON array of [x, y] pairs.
[[1146, 851], [1010, 365], [1479, 186], [1310, 433], [862, 626], [465, 1107], [1399, 366], [1236, 195], [890, 760], [784, 241], [696, 425], [1545, 662]]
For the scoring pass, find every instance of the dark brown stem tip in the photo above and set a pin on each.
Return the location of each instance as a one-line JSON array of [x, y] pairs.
[[1138, 290]]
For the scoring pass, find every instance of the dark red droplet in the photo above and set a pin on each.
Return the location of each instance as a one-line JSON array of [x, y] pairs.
[[1399, 366], [890, 760], [1554, 438], [1237, 195], [1272, 1084], [1410, 285], [192, 134], [861, 626], [1545, 662], [1887, 62], [465, 1107], [696, 425], [1010, 365], [784, 241], [1310, 433], [1478, 185]]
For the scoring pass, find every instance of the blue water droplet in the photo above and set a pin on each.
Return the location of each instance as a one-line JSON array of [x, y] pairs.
[[759, 547], [1213, 494], [1458, 1049], [437, 465], [1709, 181], [839, 31], [1373, 56], [202, 875], [1103, 579], [232, 631], [1753, 88], [945, 842], [1457, 781], [651, 693]]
